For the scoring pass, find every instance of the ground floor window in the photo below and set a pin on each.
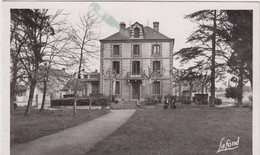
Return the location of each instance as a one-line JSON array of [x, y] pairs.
[[156, 88], [117, 88]]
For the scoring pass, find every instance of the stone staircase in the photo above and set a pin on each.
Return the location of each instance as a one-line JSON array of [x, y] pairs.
[[124, 105]]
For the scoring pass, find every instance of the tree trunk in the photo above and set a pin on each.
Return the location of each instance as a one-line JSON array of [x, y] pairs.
[[180, 83], [46, 78], [32, 88], [13, 82], [240, 84], [29, 104], [202, 88], [75, 100], [13, 91], [12, 95], [212, 90], [191, 88], [44, 94]]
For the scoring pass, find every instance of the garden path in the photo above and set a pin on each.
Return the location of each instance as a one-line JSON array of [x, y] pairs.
[[75, 140]]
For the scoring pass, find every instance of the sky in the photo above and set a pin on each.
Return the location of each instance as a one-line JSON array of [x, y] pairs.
[[170, 16]]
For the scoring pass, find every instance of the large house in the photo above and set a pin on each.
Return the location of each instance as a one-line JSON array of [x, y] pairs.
[[135, 63]]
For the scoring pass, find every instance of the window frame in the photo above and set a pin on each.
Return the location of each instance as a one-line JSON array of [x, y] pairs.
[[136, 50], [136, 32], [156, 69], [113, 52], [156, 91], [117, 88], [156, 50], [117, 71], [138, 71]]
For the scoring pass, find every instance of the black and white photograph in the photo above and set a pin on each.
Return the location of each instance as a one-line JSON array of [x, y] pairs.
[[134, 78]]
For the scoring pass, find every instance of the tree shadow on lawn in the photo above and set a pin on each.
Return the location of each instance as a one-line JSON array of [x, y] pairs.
[[180, 131]]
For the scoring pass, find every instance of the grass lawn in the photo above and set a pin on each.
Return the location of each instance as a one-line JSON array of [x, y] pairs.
[[185, 131], [38, 124]]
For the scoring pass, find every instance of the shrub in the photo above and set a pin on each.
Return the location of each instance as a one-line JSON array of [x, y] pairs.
[[149, 101], [184, 99], [218, 101], [97, 100], [233, 92], [200, 98], [152, 100], [170, 97]]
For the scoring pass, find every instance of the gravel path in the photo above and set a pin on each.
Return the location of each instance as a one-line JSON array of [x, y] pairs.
[[76, 140]]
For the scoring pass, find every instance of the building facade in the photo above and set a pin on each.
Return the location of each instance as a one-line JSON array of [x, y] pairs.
[[135, 63], [88, 85]]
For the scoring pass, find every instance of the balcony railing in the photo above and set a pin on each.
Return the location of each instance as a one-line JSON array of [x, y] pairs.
[[135, 76]]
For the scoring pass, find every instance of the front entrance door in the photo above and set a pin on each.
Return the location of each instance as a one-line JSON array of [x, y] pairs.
[[136, 90]]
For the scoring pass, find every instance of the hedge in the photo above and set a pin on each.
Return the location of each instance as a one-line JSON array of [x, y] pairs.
[[100, 100]]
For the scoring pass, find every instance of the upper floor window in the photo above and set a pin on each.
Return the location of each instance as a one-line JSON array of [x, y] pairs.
[[136, 50], [156, 66], [156, 50], [136, 68], [116, 49], [136, 32], [116, 67]]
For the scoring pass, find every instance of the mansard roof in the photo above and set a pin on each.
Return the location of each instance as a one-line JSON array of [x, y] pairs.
[[148, 34]]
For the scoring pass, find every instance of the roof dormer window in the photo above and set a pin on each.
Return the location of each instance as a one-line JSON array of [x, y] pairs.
[[136, 33]]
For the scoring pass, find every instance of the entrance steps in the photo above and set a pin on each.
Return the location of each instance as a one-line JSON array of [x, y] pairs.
[[124, 105]]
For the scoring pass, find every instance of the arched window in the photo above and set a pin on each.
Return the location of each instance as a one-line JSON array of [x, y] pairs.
[[136, 32]]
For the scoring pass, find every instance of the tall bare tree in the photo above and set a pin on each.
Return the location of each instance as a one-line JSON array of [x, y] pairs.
[[56, 54], [84, 37]]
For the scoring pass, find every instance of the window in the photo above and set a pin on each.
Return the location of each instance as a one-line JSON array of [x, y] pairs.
[[156, 50], [117, 88], [116, 50], [156, 88], [156, 66], [136, 50], [136, 67], [136, 32], [116, 67]]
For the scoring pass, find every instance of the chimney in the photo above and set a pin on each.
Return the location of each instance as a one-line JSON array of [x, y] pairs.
[[83, 70], [122, 26], [156, 26], [63, 69], [96, 71]]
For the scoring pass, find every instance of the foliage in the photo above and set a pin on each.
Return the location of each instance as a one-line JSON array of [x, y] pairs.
[[233, 92], [184, 99], [201, 38], [241, 42], [218, 101], [152, 100], [30, 28], [201, 98]]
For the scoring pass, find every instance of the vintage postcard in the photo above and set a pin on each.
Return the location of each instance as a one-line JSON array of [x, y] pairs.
[[148, 78]]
